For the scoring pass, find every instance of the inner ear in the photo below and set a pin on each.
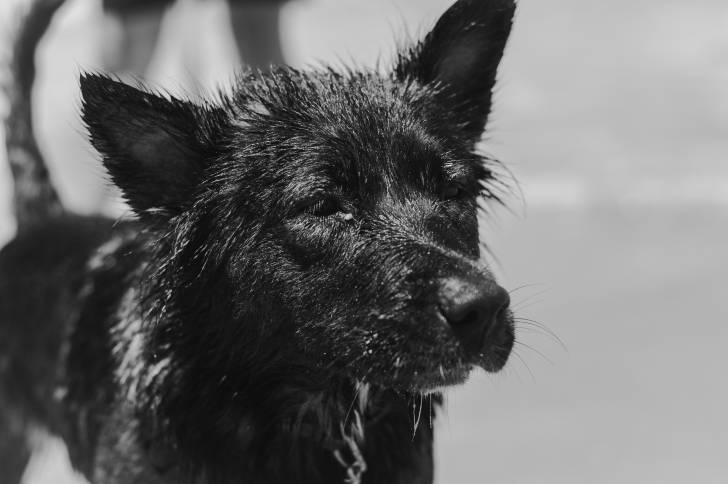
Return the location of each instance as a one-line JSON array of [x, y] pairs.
[[155, 148], [459, 59]]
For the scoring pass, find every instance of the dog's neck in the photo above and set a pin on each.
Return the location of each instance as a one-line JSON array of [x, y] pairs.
[[345, 432]]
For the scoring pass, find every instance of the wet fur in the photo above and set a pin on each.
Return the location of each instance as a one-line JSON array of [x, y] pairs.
[[271, 316]]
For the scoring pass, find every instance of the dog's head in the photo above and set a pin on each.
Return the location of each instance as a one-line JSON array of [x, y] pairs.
[[324, 220]]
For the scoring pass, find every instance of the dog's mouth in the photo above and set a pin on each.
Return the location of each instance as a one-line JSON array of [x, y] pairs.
[[433, 382], [496, 345], [492, 357], [444, 359]]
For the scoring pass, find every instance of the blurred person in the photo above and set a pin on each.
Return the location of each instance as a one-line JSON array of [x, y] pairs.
[[254, 23]]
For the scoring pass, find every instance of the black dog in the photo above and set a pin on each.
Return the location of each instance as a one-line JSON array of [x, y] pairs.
[[302, 277]]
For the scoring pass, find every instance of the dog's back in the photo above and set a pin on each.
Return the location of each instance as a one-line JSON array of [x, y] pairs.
[[41, 273], [42, 270]]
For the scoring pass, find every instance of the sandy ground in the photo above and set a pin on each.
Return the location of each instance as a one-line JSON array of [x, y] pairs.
[[614, 117]]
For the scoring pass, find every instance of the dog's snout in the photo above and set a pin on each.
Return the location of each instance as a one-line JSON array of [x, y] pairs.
[[473, 309]]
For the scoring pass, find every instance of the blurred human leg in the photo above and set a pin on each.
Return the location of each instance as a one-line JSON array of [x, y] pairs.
[[255, 25], [140, 22]]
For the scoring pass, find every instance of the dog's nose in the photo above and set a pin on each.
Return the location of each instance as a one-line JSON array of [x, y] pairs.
[[474, 309]]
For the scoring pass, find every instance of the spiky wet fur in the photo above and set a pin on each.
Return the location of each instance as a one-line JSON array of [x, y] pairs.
[[272, 316]]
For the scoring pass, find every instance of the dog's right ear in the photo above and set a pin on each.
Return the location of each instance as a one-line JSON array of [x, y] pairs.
[[154, 148], [459, 59]]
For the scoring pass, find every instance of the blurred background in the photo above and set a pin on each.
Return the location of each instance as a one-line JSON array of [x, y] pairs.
[[613, 118]]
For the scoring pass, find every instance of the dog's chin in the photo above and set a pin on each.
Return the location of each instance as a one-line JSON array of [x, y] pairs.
[[425, 382], [437, 383], [436, 378], [496, 355], [493, 364]]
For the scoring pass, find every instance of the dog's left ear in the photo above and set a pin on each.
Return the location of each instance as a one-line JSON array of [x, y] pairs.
[[460, 58], [155, 148]]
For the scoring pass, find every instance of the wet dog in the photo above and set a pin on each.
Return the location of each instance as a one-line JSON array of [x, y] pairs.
[[304, 272]]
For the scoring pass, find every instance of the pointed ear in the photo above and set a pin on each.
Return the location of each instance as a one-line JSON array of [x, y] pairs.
[[154, 148], [460, 57]]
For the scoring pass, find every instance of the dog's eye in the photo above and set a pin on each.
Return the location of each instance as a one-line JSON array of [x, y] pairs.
[[451, 191], [322, 207]]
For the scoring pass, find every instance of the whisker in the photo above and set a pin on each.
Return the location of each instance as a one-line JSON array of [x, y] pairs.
[[351, 407], [430, 410], [546, 358], [528, 369], [524, 286], [522, 330], [419, 415], [545, 330], [534, 295], [521, 306], [512, 370]]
